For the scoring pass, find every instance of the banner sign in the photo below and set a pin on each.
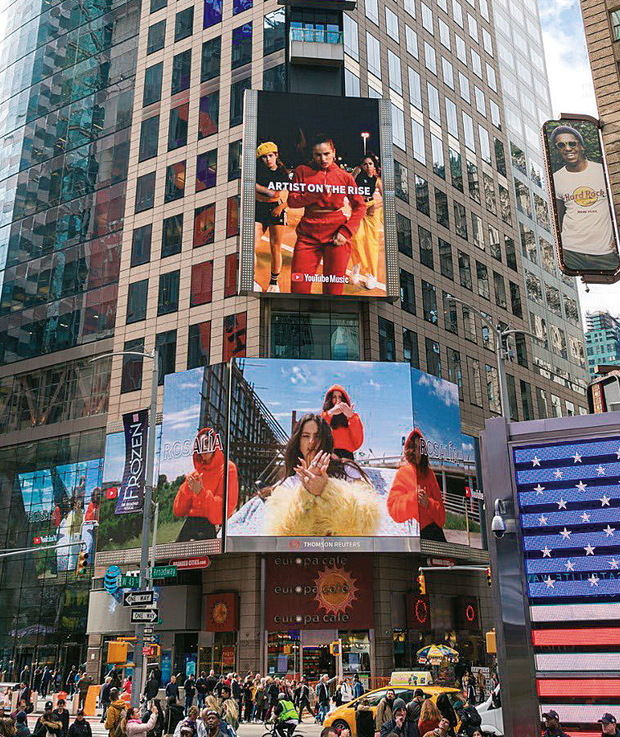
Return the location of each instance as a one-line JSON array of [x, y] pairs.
[[131, 492]]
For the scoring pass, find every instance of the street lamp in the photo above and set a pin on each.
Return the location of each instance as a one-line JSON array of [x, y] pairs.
[[500, 353], [138, 675], [365, 136]]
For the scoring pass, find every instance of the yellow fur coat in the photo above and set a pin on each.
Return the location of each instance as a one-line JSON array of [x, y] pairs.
[[344, 508]]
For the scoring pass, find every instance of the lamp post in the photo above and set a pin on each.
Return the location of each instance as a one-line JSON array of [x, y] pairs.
[[500, 352], [145, 577], [365, 136]]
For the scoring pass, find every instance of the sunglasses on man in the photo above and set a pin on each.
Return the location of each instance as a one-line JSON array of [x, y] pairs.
[[560, 145]]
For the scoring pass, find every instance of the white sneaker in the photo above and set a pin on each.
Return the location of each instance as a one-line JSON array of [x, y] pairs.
[[355, 275], [371, 281], [274, 288]]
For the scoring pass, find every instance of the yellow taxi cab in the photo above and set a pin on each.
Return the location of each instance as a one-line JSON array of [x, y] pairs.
[[344, 716]]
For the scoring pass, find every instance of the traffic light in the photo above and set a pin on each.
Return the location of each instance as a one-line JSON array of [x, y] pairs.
[[491, 642], [117, 651], [82, 563], [489, 577], [334, 648], [421, 583]]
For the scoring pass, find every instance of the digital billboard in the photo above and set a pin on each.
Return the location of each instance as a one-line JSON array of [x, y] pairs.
[[586, 237], [61, 505], [317, 196]]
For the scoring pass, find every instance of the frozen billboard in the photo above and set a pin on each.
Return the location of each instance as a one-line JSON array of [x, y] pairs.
[[317, 196]]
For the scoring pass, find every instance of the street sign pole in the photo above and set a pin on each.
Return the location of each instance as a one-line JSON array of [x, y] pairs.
[[139, 669]]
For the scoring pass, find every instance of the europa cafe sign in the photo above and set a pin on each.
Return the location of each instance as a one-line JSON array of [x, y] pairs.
[[319, 592]]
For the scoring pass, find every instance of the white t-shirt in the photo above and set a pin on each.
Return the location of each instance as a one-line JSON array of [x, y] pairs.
[[586, 227]]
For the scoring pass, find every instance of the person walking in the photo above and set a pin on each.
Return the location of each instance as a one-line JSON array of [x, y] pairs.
[[322, 695], [104, 696], [45, 680], [364, 719], [151, 689], [358, 688], [61, 714], [24, 676], [303, 699], [83, 685], [189, 689], [80, 727], [201, 690], [47, 723], [114, 713], [173, 715], [211, 682], [172, 688], [21, 725], [384, 710]]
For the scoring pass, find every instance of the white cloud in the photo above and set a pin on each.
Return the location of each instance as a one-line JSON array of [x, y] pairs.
[[444, 391], [184, 418]]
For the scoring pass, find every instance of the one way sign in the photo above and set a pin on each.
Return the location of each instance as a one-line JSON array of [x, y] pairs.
[[144, 615], [137, 598]]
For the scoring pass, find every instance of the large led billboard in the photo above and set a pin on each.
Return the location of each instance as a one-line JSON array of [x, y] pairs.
[[317, 196], [581, 201]]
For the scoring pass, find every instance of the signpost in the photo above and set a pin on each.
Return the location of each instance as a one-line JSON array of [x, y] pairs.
[[138, 616], [133, 598], [129, 582], [164, 571]]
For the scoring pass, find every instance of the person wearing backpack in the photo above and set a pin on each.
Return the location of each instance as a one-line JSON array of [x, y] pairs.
[[470, 718], [114, 714]]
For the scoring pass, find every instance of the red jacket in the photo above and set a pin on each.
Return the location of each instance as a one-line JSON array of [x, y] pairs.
[[402, 500], [345, 438], [209, 502], [334, 176]]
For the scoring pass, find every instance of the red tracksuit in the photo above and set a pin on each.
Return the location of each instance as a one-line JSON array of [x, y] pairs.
[[315, 231]]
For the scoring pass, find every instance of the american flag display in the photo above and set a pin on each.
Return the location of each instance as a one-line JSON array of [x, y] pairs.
[[569, 505]]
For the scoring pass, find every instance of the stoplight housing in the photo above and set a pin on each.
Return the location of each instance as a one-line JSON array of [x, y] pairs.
[[491, 642], [421, 579], [82, 563], [489, 577], [334, 648]]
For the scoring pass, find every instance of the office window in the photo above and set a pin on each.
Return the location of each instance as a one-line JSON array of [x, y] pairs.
[[425, 241], [237, 90], [465, 271], [274, 31], [468, 132], [401, 181], [350, 33], [167, 353], [141, 245], [455, 371], [511, 253], [429, 302], [181, 72], [422, 199], [515, 300], [460, 220], [464, 87], [614, 18], [500, 157], [411, 353], [477, 231], [373, 50], [444, 34], [398, 127], [274, 79], [504, 205], [411, 41], [145, 192], [235, 336], [241, 45], [461, 49], [395, 76], [210, 59], [447, 71], [451, 117], [157, 5], [175, 182], [231, 268], [149, 133], [433, 357], [403, 234], [206, 170], [184, 24], [475, 382], [427, 18], [351, 84], [234, 160], [446, 266], [485, 145], [212, 13], [199, 344], [469, 324], [410, 7], [387, 344], [372, 10], [156, 37], [239, 6], [482, 275], [415, 89], [177, 126], [208, 115], [554, 303], [168, 299], [457, 13], [131, 375], [450, 314], [430, 58], [391, 24], [152, 84], [137, 296], [417, 131], [441, 208], [172, 235], [204, 225], [407, 291], [526, 400], [500, 290], [439, 166], [456, 169], [492, 383], [434, 112], [201, 287]]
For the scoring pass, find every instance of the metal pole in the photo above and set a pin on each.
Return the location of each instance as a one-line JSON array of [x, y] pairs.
[[501, 373], [146, 527]]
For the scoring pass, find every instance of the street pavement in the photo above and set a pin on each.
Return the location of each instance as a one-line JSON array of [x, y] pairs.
[[305, 729]]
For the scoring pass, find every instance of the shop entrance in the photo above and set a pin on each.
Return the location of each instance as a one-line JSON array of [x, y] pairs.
[[317, 660]]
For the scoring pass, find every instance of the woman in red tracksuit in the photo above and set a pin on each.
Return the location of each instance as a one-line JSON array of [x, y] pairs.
[[415, 493], [200, 497], [324, 232], [346, 425]]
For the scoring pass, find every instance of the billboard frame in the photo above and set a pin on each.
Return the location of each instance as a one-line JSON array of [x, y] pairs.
[[248, 176], [598, 276]]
